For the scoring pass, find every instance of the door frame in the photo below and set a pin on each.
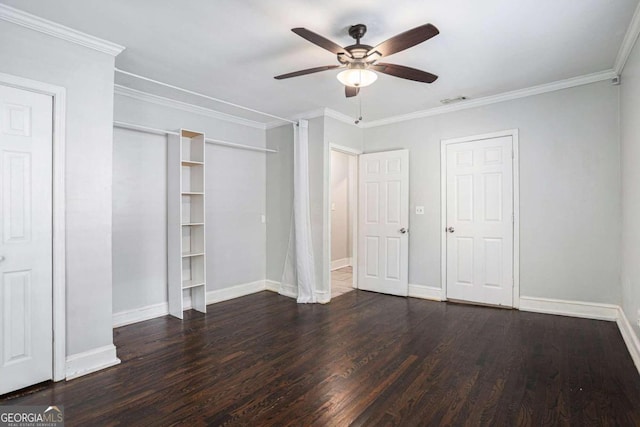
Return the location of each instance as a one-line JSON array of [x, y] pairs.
[[353, 207], [513, 133], [58, 95]]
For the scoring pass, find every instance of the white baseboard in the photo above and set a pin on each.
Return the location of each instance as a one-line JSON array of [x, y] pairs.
[[236, 291], [425, 292], [127, 317], [272, 285], [587, 310], [323, 297], [284, 290], [288, 290], [141, 314], [84, 363], [104, 357], [340, 263], [629, 336]]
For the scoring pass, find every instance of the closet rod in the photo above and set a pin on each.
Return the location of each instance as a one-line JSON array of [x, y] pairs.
[[147, 129], [138, 76]]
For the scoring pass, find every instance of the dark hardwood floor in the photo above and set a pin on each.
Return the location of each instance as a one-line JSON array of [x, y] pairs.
[[365, 359]]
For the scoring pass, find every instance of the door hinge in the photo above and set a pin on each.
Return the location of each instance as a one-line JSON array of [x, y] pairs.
[[513, 155], [513, 217]]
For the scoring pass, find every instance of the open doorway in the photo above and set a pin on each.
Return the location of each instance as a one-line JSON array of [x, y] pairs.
[[343, 219]]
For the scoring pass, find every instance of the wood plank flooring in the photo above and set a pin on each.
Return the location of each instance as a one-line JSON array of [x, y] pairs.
[[365, 359]]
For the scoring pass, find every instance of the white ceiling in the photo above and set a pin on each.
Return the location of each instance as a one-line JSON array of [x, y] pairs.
[[232, 49]]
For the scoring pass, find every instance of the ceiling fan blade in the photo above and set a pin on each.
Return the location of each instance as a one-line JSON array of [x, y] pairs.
[[307, 71], [318, 40], [404, 72], [405, 40], [351, 91]]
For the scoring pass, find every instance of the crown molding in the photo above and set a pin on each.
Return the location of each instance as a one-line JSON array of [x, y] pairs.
[[189, 108], [307, 115], [319, 112], [493, 99], [275, 124], [344, 118], [629, 40], [60, 31], [312, 114]]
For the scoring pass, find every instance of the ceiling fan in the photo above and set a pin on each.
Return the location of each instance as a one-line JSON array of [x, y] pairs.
[[359, 61]]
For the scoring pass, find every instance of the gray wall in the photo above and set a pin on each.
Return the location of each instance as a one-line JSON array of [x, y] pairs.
[[569, 188], [340, 133], [318, 156], [87, 76], [279, 189], [630, 112], [236, 237], [280, 197], [339, 206], [322, 131]]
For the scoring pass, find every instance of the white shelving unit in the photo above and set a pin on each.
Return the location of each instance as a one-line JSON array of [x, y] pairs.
[[186, 222]]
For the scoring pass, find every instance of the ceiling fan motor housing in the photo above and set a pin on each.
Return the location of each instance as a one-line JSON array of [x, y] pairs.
[[358, 31]]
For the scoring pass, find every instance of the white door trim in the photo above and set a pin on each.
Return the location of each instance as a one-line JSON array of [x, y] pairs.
[[353, 204], [513, 133], [59, 230]]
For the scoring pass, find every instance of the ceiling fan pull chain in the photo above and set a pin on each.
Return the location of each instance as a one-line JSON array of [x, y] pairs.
[[360, 110]]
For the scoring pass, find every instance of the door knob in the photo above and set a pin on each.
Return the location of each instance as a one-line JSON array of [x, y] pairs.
[[403, 230], [451, 230]]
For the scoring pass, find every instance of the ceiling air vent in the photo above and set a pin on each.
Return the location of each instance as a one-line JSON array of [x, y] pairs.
[[452, 100]]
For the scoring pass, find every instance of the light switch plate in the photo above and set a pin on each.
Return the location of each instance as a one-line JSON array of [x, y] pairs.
[[419, 210]]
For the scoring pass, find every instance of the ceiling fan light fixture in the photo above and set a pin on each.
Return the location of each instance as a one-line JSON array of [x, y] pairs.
[[357, 77]]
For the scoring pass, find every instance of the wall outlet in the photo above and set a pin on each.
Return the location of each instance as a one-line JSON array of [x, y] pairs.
[[419, 210], [263, 218]]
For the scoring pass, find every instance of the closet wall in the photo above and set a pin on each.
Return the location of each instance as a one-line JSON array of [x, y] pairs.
[[236, 236], [323, 131]]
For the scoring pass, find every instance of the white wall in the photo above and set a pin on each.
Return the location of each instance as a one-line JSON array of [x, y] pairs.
[[87, 76], [339, 206], [236, 237], [630, 135], [569, 188]]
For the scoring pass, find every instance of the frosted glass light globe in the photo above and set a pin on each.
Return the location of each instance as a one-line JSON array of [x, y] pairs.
[[357, 77]]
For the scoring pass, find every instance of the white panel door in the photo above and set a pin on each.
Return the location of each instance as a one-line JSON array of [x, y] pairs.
[[383, 239], [480, 221], [25, 239]]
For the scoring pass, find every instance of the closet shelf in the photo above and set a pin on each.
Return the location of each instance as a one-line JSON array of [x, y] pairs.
[[188, 284], [189, 224], [192, 193], [192, 254]]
